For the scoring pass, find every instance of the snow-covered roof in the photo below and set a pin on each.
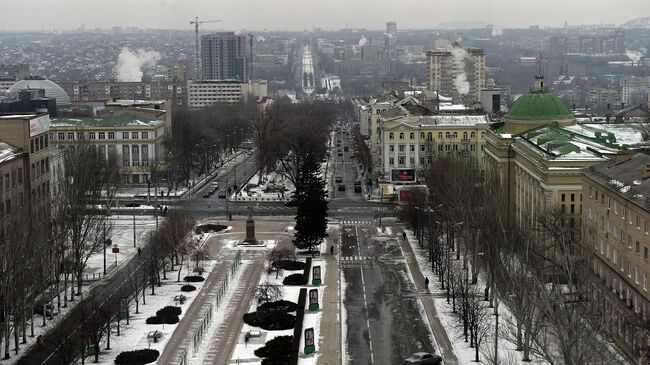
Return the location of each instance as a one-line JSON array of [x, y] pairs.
[[8, 152], [445, 120], [624, 133]]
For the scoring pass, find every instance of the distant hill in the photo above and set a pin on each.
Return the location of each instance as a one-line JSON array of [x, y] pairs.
[[461, 24], [638, 23]]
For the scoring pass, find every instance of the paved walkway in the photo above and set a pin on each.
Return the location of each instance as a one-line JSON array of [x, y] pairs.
[[329, 344], [439, 331], [229, 333], [180, 338]]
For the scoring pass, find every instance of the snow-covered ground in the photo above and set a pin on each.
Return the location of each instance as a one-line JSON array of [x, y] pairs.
[[245, 353], [134, 336], [466, 355], [273, 187]]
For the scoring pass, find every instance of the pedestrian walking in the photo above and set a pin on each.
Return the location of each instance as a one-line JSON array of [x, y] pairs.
[[246, 339], [139, 252], [404, 235], [426, 283], [331, 250]]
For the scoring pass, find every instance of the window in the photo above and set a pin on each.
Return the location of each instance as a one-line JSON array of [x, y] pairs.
[[455, 135], [473, 135], [412, 136], [134, 135], [401, 160], [422, 135], [447, 135], [422, 148], [645, 253], [391, 148], [391, 161], [61, 136], [638, 222], [125, 135], [439, 135], [135, 155], [464, 135], [111, 135], [20, 175], [402, 148], [31, 146], [391, 136], [126, 160], [401, 136], [412, 160], [102, 135], [145, 135], [637, 247], [91, 135], [144, 150], [412, 148], [70, 136]]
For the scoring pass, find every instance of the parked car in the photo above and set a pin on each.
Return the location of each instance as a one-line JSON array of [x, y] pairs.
[[423, 358], [206, 194], [346, 148], [338, 179], [342, 187], [357, 188], [222, 194]]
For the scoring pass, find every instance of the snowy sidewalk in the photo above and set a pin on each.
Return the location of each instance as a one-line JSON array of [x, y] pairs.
[[329, 345], [439, 331]]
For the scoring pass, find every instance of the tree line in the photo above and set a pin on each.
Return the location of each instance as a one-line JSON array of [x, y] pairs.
[[538, 269]]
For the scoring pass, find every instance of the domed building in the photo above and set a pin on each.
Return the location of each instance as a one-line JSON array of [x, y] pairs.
[[536, 108], [540, 151], [52, 90]]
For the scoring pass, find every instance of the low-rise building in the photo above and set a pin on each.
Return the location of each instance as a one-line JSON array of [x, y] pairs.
[[134, 139], [616, 228]]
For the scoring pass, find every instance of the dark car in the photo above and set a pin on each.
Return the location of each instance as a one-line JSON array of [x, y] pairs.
[[338, 179], [357, 188], [207, 194], [222, 194], [423, 358], [342, 187], [346, 149]]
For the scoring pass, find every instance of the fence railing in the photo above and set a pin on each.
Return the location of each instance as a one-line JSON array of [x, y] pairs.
[[203, 326]]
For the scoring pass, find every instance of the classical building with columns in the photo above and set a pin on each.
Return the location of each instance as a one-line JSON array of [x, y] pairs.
[[540, 152]]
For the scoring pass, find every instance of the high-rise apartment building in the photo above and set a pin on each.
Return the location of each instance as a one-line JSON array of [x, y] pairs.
[[224, 56], [458, 72]]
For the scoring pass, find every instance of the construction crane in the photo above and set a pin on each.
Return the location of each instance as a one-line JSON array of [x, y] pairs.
[[196, 23]]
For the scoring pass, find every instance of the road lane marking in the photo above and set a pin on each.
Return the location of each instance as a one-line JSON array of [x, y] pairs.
[[365, 301]]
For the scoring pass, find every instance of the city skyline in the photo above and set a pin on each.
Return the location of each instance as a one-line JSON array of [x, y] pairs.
[[259, 15]]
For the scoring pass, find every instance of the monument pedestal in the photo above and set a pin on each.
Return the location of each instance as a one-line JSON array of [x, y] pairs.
[[250, 228]]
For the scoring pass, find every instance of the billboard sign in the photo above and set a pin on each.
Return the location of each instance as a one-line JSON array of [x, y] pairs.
[[402, 175], [39, 125]]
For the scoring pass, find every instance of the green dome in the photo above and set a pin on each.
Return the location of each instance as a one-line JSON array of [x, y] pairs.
[[539, 105]]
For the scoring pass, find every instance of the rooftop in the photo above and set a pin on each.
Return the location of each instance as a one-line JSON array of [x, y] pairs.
[[629, 177], [539, 105], [8, 152], [444, 120], [116, 120]]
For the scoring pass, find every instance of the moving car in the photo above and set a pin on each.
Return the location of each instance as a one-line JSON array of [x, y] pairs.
[[423, 358], [342, 187], [222, 193], [338, 179]]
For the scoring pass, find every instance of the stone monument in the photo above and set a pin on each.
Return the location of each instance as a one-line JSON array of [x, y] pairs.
[[250, 228]]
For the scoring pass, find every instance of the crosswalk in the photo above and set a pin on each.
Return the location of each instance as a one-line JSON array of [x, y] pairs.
[[363, 262], [356, 223]]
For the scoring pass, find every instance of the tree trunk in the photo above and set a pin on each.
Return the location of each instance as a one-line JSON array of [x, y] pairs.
[[108, 335]]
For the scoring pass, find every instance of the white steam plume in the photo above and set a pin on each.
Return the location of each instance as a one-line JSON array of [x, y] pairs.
[[497, 32], [461, 84], [130, 64], [635, 55]]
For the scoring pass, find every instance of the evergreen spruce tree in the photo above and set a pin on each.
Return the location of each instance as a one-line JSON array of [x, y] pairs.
[[311, 219]]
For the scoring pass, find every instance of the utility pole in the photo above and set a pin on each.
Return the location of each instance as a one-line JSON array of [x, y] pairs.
[[196, 23]]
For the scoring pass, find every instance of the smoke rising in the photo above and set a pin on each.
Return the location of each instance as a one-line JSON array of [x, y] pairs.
[[497, 32], [461, 84], [635, 55], [130, 63]]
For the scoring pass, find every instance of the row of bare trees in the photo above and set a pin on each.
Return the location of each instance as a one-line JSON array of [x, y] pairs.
[[539, 271]]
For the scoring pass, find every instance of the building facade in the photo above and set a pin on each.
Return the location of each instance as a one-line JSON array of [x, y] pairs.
[[134, 140], [446, 68], [100, 91], [203, 93], [616, 228], [224, 56]]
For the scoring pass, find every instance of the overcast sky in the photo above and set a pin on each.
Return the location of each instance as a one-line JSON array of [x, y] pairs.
[[306, 14]]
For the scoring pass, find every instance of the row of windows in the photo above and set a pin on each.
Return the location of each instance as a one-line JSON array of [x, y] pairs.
[[623, 291], [429, 136], [39, 192], [37, 144], [424, 148], [71, 136], [11, 180], [625, 212]]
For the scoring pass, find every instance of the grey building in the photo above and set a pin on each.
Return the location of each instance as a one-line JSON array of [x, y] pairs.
[[224, 56]]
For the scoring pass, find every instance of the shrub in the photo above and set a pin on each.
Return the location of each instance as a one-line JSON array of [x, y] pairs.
[[193, 278], [137, 357], [271, 321], [188, 287], [289, 265], [278, 348], [295, 279], [209, 227], [278, 306], [167, 315]]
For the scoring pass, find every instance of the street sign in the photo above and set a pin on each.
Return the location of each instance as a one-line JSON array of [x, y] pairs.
[[116, 249]]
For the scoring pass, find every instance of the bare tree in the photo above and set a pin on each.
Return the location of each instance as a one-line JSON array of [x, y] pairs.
[[177, 230], [268, 292], [278, 254]]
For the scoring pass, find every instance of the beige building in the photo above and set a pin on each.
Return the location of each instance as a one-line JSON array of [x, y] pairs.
[[447, 66], [134, 136], [201, 94], [616, 225], [26, 164]]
